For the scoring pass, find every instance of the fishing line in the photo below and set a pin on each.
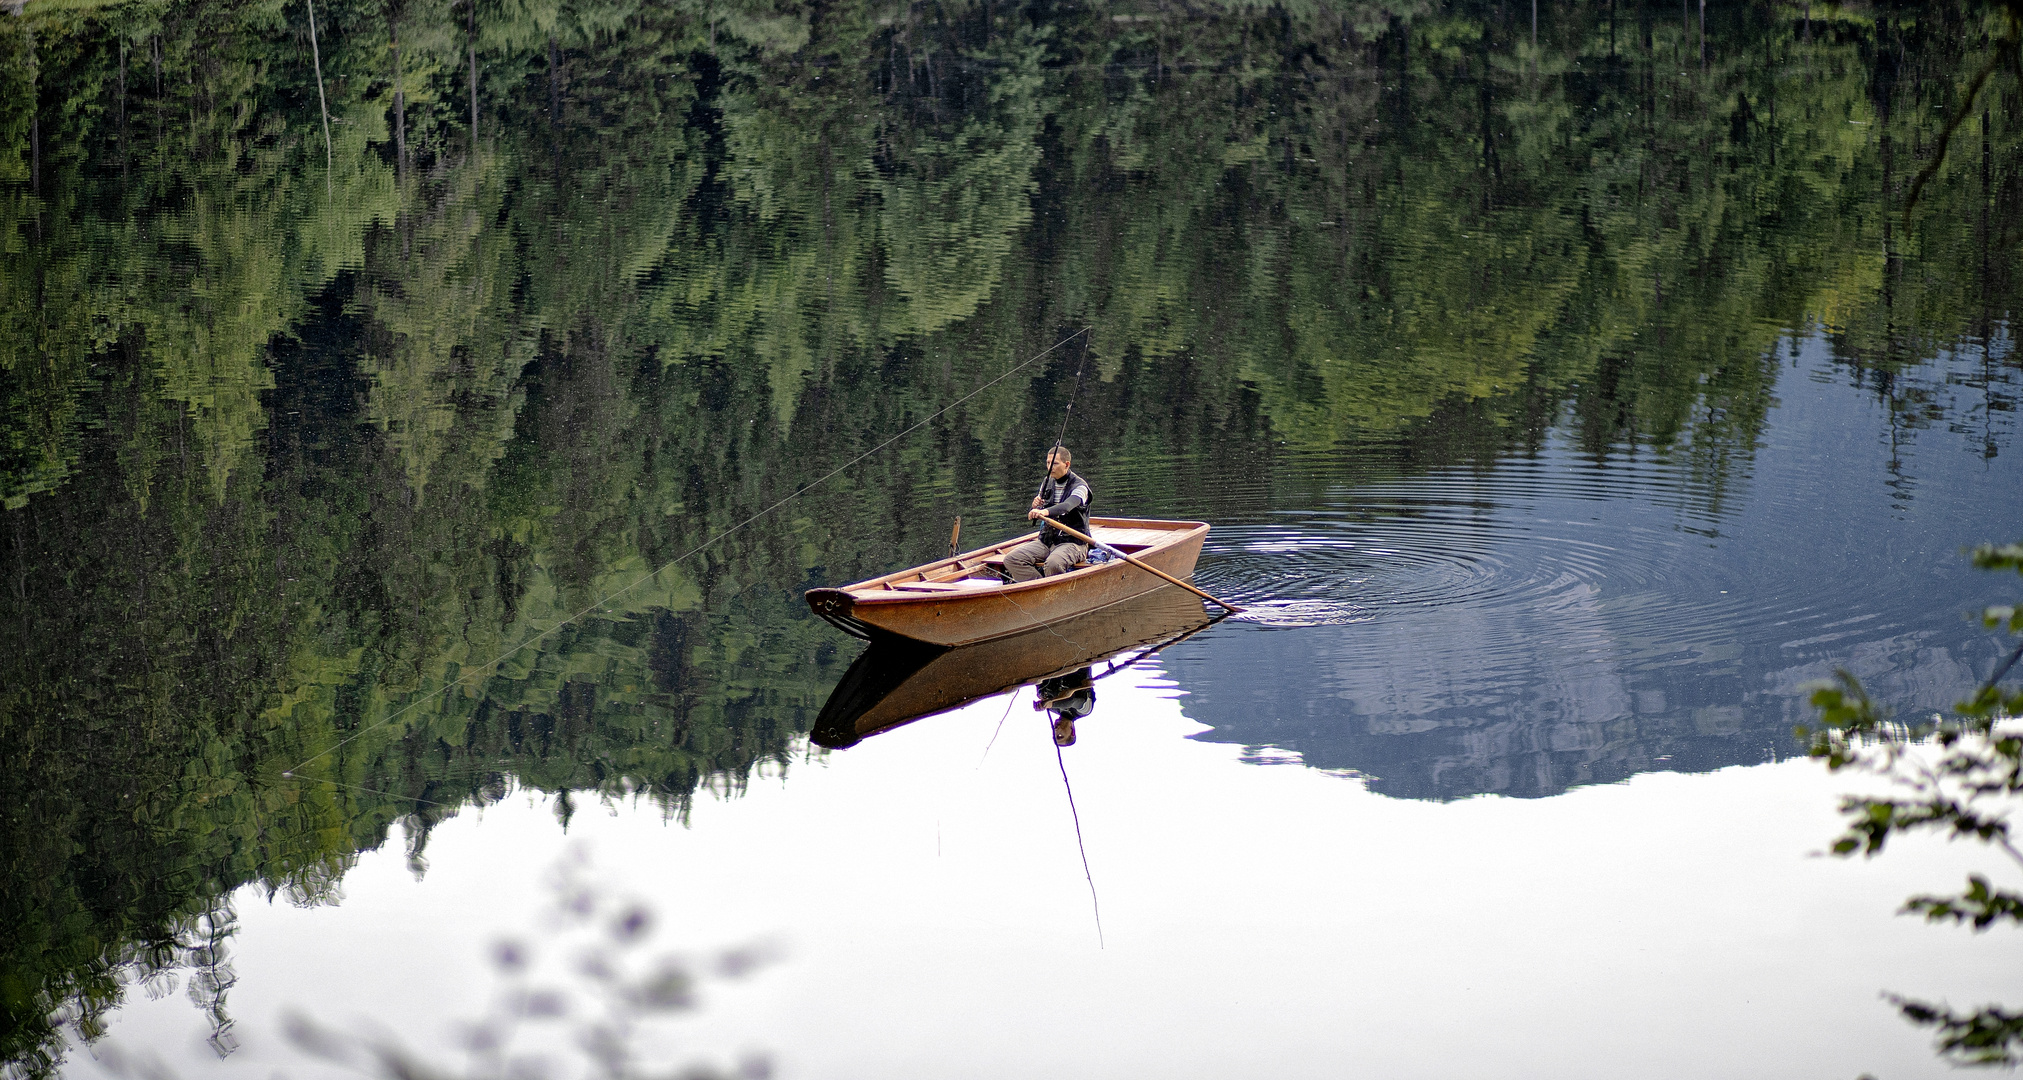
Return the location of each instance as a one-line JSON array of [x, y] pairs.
[[1094, 904], [388, 794], [1011, 698], [608, 597]]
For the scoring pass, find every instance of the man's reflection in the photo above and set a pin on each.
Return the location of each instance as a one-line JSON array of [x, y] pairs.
[[1069, 697]]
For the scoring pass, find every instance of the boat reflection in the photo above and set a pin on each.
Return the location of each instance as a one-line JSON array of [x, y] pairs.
[[897, 681]]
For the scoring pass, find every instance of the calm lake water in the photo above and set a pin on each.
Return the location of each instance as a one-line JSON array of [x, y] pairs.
[[415, 441]]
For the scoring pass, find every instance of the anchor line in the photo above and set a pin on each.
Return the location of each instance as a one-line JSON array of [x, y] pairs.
[[690, 553]]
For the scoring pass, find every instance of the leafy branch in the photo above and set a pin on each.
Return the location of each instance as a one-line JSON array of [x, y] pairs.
[[616, 994], [1960, 792]]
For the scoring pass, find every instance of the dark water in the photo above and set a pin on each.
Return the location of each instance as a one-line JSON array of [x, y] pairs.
[[1562, 404]]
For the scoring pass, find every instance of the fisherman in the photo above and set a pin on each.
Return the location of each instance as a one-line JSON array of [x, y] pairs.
[[1063, 497]]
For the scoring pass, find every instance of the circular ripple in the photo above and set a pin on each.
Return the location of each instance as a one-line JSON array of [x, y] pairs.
[[1294, 613], [1531, 548]]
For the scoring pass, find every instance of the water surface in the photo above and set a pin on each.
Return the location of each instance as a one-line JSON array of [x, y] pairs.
[[1564, 400]]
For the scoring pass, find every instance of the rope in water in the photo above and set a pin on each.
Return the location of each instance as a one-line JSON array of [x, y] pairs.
[[690, 553]]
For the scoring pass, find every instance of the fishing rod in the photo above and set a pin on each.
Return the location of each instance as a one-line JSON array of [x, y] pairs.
[[1072, 394], [1090, 540], [1070, 411]]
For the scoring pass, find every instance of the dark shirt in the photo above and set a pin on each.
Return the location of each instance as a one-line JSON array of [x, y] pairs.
[[1067, 501]]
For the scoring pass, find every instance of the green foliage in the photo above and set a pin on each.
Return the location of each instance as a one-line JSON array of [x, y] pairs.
[[1985, 1036], [1962, 777], [308, 462], [1982, 904]]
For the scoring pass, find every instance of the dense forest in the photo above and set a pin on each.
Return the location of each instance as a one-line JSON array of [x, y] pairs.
[[339, 359]]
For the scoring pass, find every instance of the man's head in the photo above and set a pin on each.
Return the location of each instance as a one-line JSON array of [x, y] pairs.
[[1058, 459]]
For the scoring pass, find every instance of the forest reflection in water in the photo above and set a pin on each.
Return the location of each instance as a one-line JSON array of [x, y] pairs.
[[299, 438]]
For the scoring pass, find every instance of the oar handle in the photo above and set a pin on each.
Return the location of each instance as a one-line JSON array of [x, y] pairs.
[[1142, 565]]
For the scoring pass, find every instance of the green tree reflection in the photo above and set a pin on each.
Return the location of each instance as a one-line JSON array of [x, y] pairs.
[[292, 451]]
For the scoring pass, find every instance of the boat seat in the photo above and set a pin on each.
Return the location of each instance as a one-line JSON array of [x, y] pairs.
[[1131, 539], [945, 586]]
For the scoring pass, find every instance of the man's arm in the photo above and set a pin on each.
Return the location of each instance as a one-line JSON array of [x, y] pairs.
[[1077, 498]]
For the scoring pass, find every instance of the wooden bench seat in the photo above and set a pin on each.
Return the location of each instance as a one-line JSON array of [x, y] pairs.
[[1130, 539], [946, 586]]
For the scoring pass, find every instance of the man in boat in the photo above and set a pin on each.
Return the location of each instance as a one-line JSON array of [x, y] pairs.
[[1063, 497]]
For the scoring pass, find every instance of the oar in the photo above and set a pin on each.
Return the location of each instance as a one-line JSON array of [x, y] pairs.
[[1153, 570]]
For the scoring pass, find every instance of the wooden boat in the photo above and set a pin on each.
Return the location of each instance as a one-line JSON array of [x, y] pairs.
[[897, 681], [967, 599]]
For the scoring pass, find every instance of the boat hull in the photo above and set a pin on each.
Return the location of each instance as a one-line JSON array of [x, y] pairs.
[[896, 681], [985, 614]]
